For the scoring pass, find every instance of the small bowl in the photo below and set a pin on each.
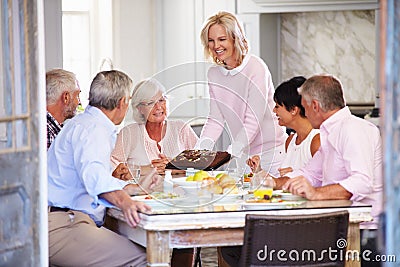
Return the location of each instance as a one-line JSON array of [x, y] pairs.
[[190, 187]]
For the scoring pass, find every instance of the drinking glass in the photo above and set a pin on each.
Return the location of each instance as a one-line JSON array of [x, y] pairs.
[[134, 170], [236, 173]]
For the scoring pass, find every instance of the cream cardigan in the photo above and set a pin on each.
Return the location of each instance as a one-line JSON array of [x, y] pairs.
[[133, 142]]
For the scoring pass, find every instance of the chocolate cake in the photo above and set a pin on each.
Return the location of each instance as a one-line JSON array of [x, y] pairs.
[[199, 159]]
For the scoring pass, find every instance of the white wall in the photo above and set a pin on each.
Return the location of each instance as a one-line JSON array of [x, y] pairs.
[[53, 34], [134, 37]]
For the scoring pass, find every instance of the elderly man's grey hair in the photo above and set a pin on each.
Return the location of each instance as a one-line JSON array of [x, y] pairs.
[[143, 92], [108, 88], [326, 89], [59, 81]]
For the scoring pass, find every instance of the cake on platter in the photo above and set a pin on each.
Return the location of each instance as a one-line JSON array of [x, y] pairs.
[[199, 159]]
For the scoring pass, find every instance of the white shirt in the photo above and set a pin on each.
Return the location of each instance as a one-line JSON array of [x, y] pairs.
[[78, 164], [298, 155]]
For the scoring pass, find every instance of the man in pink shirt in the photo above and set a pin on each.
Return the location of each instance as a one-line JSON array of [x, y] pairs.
[[348, 164]]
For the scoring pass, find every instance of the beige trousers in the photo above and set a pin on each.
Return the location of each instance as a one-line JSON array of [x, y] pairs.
[[75, 240]]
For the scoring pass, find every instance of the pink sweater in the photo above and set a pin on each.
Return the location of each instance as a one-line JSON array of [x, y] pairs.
[[243, 99]]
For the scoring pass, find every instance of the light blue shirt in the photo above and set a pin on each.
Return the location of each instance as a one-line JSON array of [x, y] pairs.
[[79, 166]]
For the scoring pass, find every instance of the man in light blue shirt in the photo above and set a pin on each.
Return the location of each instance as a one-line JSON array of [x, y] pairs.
[[79, 180]]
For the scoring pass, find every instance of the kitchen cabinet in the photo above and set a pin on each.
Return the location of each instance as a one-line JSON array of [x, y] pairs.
[[180, 59], [284, 6]]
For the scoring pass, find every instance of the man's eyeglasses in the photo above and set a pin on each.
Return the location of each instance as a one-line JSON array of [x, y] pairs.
[[160, 101]]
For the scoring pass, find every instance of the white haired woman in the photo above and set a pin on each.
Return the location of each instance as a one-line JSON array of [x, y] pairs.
[[152, 139]]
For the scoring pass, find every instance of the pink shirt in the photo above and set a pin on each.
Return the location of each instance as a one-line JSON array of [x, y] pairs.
[[243, 99], [350, 155]]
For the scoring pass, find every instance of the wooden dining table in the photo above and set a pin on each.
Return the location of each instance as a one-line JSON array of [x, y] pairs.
[[216, 223]]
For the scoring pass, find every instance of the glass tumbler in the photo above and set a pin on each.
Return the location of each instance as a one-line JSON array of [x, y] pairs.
[[134, 170]]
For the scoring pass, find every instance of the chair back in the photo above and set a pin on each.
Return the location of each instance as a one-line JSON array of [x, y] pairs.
[[300, 240]]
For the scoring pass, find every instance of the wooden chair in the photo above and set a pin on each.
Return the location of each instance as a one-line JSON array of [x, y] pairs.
[[302, 238]]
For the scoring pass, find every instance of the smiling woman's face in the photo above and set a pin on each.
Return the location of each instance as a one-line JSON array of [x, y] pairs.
[[220, 44], [284, 116], [154, 110]]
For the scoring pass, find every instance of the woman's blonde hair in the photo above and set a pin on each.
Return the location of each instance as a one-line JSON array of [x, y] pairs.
[[233, 29], [144, 91]]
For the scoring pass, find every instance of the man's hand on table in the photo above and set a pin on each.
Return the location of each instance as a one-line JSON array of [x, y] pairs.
[[129, 207], [300, 186]]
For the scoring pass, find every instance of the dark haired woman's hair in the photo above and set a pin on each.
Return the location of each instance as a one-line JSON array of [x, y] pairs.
[[286, 94]]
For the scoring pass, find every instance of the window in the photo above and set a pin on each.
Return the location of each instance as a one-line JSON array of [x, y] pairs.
[[14, 85], [87, 39]]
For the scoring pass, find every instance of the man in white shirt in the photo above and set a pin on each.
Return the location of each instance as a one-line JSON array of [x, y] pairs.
[[80, 183]]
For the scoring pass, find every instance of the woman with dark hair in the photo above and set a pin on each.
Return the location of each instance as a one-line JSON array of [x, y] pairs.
[[301, 145]]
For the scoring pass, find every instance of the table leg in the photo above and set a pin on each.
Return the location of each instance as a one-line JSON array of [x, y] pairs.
[[353, 245], [158, 251]]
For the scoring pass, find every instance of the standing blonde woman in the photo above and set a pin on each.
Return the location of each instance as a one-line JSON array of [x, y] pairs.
[[241, 95]]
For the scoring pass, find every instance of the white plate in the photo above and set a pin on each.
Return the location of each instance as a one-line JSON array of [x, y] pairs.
[[227, 198], [286, 196], [271, 205]]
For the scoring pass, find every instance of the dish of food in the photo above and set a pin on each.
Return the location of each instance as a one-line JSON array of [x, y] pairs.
[[247, 177], [286, 196], [199, 159], [158, 199], [222, 184]]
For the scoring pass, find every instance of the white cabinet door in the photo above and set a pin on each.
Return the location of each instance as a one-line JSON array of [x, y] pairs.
[[181, 67], [176, 43]]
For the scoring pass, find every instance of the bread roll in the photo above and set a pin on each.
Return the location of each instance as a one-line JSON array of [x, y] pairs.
[[224, 185], [211, 185], [225, 180], [215, 188], [208, 181]]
